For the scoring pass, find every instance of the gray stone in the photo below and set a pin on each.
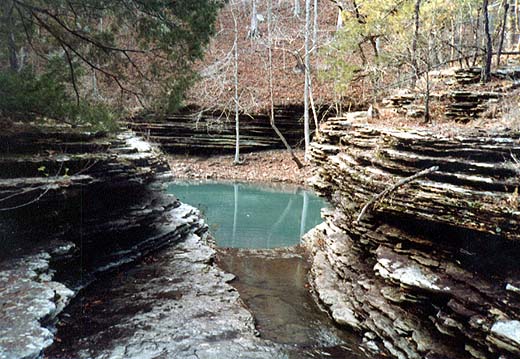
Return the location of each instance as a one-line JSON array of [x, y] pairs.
[[506, 335]]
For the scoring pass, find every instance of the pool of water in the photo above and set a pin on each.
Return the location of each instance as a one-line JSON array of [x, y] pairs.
[[258, 229], [273, 285], [253, 216]]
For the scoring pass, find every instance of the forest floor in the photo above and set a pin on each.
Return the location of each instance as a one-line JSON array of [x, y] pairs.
[[274, 166]]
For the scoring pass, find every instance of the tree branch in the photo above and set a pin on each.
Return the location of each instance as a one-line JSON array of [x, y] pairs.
[[84, 59], [381, 196], [77, 34], [72, 74]]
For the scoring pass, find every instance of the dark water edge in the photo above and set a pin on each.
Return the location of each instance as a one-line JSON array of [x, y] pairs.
[[273, 285]]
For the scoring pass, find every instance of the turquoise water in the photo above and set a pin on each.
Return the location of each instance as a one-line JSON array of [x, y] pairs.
[[252, 216]]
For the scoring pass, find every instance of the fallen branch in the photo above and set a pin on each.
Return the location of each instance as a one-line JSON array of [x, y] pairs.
[[515, 159], [379, 197], [49, 187]]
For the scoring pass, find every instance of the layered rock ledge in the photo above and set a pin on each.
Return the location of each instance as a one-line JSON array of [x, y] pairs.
[[75, 205], [72, 204], [431, 270], [199, 132]]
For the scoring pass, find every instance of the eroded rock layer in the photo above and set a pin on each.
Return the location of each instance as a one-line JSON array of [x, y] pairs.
[[74, 205], [199, 132], [430, 270]]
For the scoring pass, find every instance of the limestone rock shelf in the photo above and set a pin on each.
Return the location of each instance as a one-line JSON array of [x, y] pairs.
[[468, 105], [74, 205], [432, 270], [196, 132], [96, 196]]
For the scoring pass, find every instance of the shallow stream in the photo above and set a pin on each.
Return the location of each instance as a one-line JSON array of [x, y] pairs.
[[139, 311], [258, 230]]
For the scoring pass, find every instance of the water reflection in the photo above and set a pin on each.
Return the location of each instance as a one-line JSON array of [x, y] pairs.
[[248, 216], [272, 283]]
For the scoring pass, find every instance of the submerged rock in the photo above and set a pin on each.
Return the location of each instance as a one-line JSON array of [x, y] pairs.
[[177, 304]]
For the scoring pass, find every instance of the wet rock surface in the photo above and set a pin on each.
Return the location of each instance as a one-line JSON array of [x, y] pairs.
[[174, 304], [430, 270], [177, 303], [102, 194], [28, 298]]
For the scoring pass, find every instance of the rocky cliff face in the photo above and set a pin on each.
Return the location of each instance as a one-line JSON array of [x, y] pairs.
[[197, 132], [431, 269], [73, 205]]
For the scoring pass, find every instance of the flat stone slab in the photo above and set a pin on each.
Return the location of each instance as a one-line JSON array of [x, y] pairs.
[[28, 297], [505, 334], [175, 305]]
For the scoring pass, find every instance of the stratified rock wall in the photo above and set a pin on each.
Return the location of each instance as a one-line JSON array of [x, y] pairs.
[[197, 132], [73, 204], [431, 270]]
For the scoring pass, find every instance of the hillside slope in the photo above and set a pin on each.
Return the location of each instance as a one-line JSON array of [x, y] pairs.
[[215, 89]]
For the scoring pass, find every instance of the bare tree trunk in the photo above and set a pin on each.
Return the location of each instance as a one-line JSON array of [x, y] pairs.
[[339, 23], [313, 107], [486, 73], [297, 9], [11, 45], [453, 43], [502, 31], [427, 94], [306, 128], [235, 75], [510, 25], [362, 54], [477, 39], [513, 24], [271, 88], [417, 20], [10, 39], [340, 5], [461, 35], [374, 41], [95, 89], [253, 28], [315, 26]]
